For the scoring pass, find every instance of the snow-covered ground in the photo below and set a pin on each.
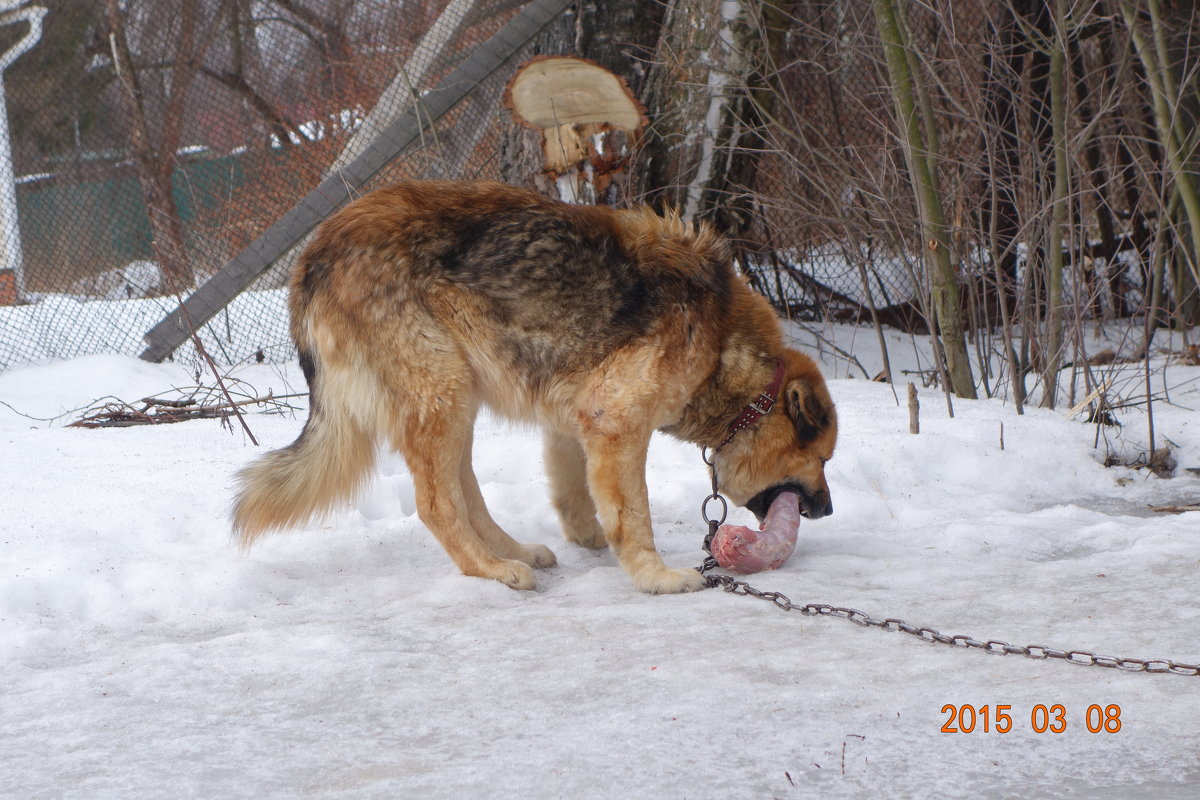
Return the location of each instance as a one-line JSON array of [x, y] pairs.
[[144, 657]]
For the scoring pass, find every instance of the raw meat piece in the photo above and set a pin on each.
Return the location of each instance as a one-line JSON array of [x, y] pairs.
[[739, 549]]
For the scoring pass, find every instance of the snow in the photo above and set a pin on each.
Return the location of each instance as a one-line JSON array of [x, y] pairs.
[[145, 657]]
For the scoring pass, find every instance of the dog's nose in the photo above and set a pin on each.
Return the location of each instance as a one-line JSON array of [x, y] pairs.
[[818, 505]]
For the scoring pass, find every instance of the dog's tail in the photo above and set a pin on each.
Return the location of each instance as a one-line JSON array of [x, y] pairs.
[[325, 466]]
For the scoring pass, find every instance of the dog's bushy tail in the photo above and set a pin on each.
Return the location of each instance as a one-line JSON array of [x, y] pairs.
[[325, 466]]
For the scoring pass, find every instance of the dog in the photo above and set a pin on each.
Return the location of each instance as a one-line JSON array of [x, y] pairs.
[[418, 303]]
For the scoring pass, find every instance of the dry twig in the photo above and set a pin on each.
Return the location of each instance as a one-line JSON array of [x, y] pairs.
[[195, 402]]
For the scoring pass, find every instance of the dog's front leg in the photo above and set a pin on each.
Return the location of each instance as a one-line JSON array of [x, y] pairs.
[[616, 469]]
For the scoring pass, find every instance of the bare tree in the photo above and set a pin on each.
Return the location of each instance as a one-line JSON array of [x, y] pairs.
[[1015, 162], [155, 139], [235, 74], [323, 25], [919, 135]]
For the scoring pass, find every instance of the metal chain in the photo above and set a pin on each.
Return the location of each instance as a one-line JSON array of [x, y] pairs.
[[1082, 658], [1039, 652], [712, 523]]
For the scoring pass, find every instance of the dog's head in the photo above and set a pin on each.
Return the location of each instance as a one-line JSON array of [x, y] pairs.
[[787, 449]]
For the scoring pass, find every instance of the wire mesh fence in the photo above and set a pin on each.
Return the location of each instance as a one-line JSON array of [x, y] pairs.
[[160, 151], [280, 97]]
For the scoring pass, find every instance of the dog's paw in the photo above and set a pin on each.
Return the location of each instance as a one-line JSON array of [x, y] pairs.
[[586, 534], [537, 555], [514, 574], [669, 581]]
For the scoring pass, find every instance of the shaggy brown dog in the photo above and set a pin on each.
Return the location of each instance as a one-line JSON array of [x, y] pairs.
[[420, 302]]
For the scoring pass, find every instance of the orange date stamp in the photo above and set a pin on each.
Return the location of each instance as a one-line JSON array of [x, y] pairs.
[[999, 718]]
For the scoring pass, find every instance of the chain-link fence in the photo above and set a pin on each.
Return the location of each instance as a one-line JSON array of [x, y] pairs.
[[257, 103], [173, 149]]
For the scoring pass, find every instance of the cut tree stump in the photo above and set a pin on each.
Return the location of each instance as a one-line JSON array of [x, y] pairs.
[[574, 102]]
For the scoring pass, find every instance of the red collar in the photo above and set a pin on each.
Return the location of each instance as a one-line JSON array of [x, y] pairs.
[[757, 408]]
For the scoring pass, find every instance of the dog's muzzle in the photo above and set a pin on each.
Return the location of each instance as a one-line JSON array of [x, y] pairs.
[[813, 505]]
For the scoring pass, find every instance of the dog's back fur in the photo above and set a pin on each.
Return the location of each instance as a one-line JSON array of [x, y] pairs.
[[417, 303]]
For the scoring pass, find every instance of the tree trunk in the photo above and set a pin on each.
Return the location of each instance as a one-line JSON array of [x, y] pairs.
[[697, 102], [342, 82], [154, 155], [1052, 348], [706, 62], [921, 152], [1160, 74], [1003, 59], [621, 37]]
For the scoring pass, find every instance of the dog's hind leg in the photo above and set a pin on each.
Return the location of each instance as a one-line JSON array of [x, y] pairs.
[[433, 444], [566, 468], [495, 537]]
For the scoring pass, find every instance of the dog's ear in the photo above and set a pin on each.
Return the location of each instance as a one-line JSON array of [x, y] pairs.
[[807, 410]]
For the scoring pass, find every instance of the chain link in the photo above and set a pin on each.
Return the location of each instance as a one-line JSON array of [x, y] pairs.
[[712, 522], [994, 646]]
